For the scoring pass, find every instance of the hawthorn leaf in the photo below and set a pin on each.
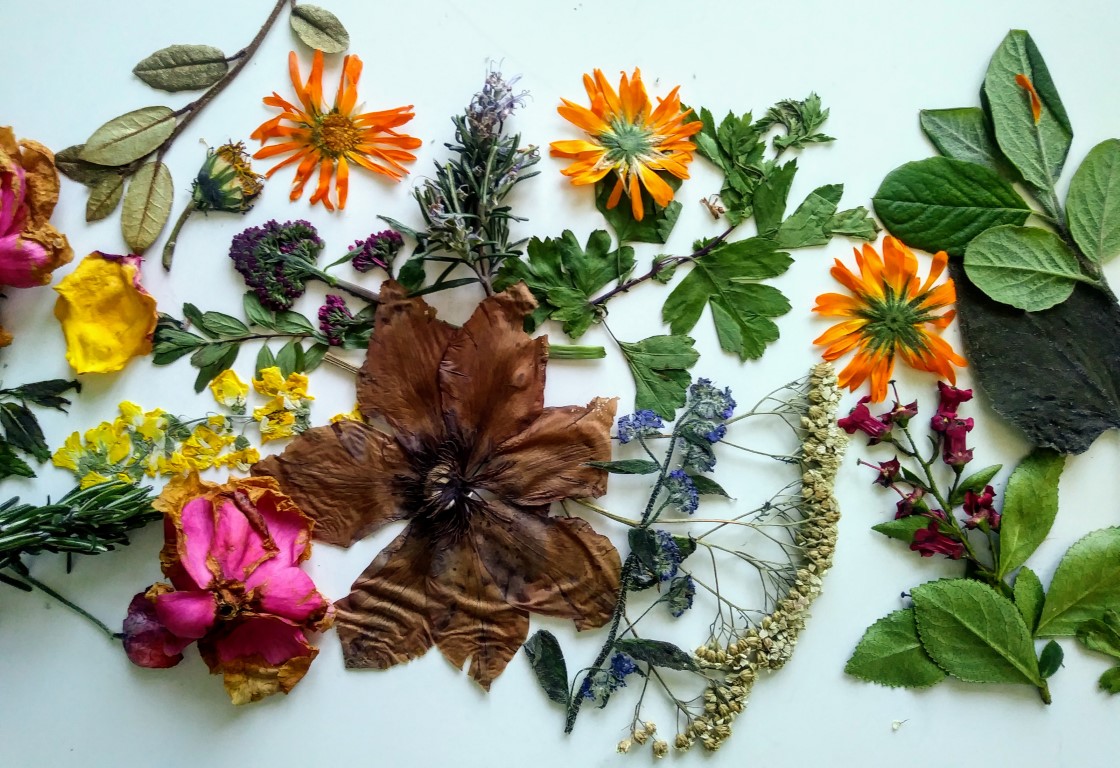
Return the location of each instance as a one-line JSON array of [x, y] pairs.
[[660, 366], [1085, 585], [1030, 505], [890, 653]]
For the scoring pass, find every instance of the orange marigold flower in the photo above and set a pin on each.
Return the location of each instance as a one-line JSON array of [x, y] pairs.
[[627, 137], [890, 312], [334, 139]]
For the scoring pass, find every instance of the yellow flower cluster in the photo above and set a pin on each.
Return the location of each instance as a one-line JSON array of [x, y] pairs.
[[151, 443], [288, 410]]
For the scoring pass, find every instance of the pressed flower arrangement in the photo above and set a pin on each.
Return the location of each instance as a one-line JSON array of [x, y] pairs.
[[493, 514]]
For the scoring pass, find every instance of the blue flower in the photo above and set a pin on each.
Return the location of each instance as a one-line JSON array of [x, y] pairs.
[[621, 666], [716, 434], [682, 491], [710, 402], [640, 424], [680, 595]]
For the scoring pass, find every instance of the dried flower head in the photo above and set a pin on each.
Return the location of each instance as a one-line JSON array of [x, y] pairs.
[[226, 181], [276, 260], [377, 250]]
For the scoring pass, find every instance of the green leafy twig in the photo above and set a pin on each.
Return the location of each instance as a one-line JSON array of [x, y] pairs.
[[21, 430]]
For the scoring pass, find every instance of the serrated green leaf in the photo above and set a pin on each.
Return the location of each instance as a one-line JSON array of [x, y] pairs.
[[657, 653], [1085, 585], [1110, 680], [940, 204], [1093, 202], [963, 134], [71, 165], [807, 225], [1037, 149], [706, 486], [147, 205], [890, 653], [855, 223], [1027, 267], [318, 28], [801, 119], [224, 325], [903, 528], [129, 136], [627, 466], [974, 633], [265, 359], [975, 482], [771, 196], [22, 430], [1030, 505], [183, 67], [660, 366], [11, 464], [1050, 660], [104, 197], [656, 224], [1029, 597], [1101, 635], [547, 660]]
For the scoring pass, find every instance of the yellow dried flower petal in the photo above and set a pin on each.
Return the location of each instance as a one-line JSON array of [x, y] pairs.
[[230, 391], [106, 315]]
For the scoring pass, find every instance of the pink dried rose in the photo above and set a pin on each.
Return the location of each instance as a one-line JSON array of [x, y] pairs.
[[232, 554]]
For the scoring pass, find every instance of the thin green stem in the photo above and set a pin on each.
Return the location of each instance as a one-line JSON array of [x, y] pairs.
[[173, 239], [72, 606]]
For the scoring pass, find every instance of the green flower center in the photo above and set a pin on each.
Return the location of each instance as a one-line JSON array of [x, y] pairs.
[[893, 323], [627, 142]]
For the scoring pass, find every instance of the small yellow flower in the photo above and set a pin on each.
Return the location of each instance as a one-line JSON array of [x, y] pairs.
[[273, 384], [240, 460], [175, 464], [106, 315], [354, 415], [71, 452], [201, 449], [109, 440], [93, 478], [230, 391], [276, 422]]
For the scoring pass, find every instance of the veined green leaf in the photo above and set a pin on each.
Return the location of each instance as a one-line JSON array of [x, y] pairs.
[[890, 653], [1085, 585], [104, 196], [129, 137], [183, 67], [1029, 597], [70, 164], [963, 134], [660, 366], [1093, 203], [1027, 267], [1030, 505], [147, 205], [319, 28], [903, 528]]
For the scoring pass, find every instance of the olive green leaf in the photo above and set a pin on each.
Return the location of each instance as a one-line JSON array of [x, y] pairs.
[[147, 204], [974, 633], [104, 196], [1085, 585], [70, 164], [319, 28], [1037, 149], [903, 528], [129, 136], [1093, 202], [1030, 505], [940, 204], [890, 653], [547, 660], [1027, 267], [183, 67]]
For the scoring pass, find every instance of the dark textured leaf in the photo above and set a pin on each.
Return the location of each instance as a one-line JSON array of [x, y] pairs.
[[104, 196], [129, 136], [706, 486], [547, 660], [1030, 505], [1027, 267], [1085, 585], [1093, 202], [46, 393], [686, 545], [1029, 597], [1050, 660], [319, 28], [656, 224], [903, 528], [627, 466], [940, 204], [183, 67], [963, 134], [71, 165], [1054, 374], [657, 653], [660, 366], [22, 430], [891, 654]]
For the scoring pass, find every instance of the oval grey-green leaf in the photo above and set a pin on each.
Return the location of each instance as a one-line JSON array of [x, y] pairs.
[[147, 205], [183, 67], [70, 164], [129, 136], [1027, 267], [1093, 202], [319, 28], [104, 196]]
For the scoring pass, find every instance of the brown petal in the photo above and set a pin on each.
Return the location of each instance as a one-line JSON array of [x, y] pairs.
[[557, 566], [469, 616], [492, 375], [384, 620], [400, 378], [547, 462], [343, 477]]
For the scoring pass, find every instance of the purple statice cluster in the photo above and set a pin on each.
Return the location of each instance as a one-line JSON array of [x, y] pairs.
[[276, 260], [491, 106], [335, 319], [643, 423], [601, 683], [377, 250], [682, 491]]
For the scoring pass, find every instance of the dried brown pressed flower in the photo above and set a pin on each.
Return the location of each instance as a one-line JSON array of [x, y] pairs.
[[474, 463]]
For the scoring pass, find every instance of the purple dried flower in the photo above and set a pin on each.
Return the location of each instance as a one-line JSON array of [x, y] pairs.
[[377, 250]]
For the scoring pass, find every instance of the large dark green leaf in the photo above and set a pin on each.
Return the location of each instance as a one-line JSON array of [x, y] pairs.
[[547, 660], [1053, 374]]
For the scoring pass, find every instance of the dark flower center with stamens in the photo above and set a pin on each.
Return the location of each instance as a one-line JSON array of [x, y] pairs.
[[230, 600], [447, 492]]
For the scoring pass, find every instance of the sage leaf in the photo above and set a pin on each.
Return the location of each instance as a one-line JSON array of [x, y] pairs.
[[547, 659], [974, 633], [903, 528], [891, 654], [657, 653], [183, 67], [940, 204], [147, 205], [1027, 267], [318, 28], [1029, 597], [963, 134], [129, 136], [70, 164], [104, 196], [1075, 343], [1085, 585], [660, 366], [1037, 149], [1101, 635], [1093, 202], [627, 466], [1050, 660], [1110, 680], [975, 483], [1030, 505]]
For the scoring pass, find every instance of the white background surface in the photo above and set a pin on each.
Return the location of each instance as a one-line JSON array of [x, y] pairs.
[[67, 696]]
